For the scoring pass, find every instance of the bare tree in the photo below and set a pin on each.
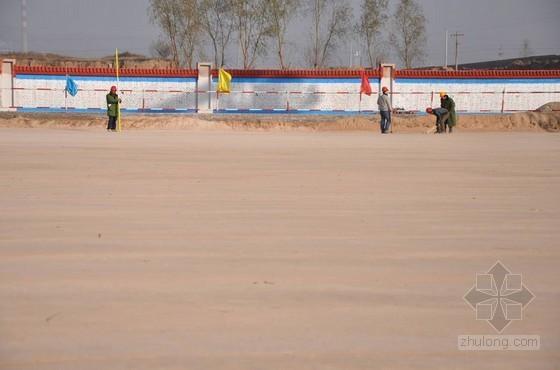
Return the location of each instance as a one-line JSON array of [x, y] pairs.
[[253, 29], [526, 50], [179, 22], [167, 15], [280, 13], [190, 30], [409, 38], [218, 26], [373, 17], [160, 49], [331, 22]]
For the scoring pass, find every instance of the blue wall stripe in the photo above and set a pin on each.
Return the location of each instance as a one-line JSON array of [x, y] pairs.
[[356, 80], [103, 111], [296, 80], [478, 81]]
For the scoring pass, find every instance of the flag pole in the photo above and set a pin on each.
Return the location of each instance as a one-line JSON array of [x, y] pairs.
[[360, 104], [66, 90], [218, 93], [118, 104]]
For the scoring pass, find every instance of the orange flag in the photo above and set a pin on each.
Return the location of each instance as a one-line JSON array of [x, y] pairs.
[[365, 88]]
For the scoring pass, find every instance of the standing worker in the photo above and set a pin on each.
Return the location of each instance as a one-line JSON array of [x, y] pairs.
[[385, 108], [449, 104], [112, 108]]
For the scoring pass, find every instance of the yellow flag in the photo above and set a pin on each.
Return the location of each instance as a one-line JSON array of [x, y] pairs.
[[224, 82], [118, 105]]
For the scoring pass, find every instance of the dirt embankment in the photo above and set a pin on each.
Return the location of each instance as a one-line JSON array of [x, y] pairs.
[[126, 60], [529, 121]]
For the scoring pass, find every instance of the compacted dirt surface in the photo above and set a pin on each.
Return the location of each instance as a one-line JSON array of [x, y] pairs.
[[236, 249]]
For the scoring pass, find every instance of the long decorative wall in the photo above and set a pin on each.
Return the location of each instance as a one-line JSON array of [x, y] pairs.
[[478, 91], [298, 91], [280, 91], [43, 89]]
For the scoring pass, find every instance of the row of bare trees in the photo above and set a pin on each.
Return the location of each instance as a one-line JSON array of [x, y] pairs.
[[256, 27]]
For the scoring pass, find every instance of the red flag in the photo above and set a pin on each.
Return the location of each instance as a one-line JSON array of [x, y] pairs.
[[366, 87]]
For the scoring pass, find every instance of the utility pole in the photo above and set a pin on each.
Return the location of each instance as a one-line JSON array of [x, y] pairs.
[[457, 35], [351, 61], [446, 38], [24, 26]]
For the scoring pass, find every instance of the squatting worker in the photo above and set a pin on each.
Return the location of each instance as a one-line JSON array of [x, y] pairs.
[[442, 115], [112, 108], [449, 104], [384, 105]]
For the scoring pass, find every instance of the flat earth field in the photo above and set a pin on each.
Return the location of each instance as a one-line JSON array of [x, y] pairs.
[[177, 249]]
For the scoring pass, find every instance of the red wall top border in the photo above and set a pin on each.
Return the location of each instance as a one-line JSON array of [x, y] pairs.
[[301, 73], [266, 73], [278, 73], [414, 73], [93, 71]]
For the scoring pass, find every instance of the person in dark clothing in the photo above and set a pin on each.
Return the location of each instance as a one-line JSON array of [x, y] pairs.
[[449, 104], [112, 108], [442, 115]]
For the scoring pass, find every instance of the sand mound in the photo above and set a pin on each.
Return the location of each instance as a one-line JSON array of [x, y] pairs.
[[528, 121], [549, 107], [545, 121]]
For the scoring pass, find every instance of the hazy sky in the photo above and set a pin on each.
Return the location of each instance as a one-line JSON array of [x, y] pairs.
[[493, 29]]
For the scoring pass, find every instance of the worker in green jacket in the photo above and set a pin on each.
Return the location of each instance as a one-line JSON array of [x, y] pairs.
[[112, 109], [449, 104]]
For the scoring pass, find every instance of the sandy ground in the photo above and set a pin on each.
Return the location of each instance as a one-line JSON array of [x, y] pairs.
[[548, 121], [278, 250]]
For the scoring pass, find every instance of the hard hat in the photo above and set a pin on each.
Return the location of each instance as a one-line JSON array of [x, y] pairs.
[[429, 110], [113, 88], [442, 94]]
